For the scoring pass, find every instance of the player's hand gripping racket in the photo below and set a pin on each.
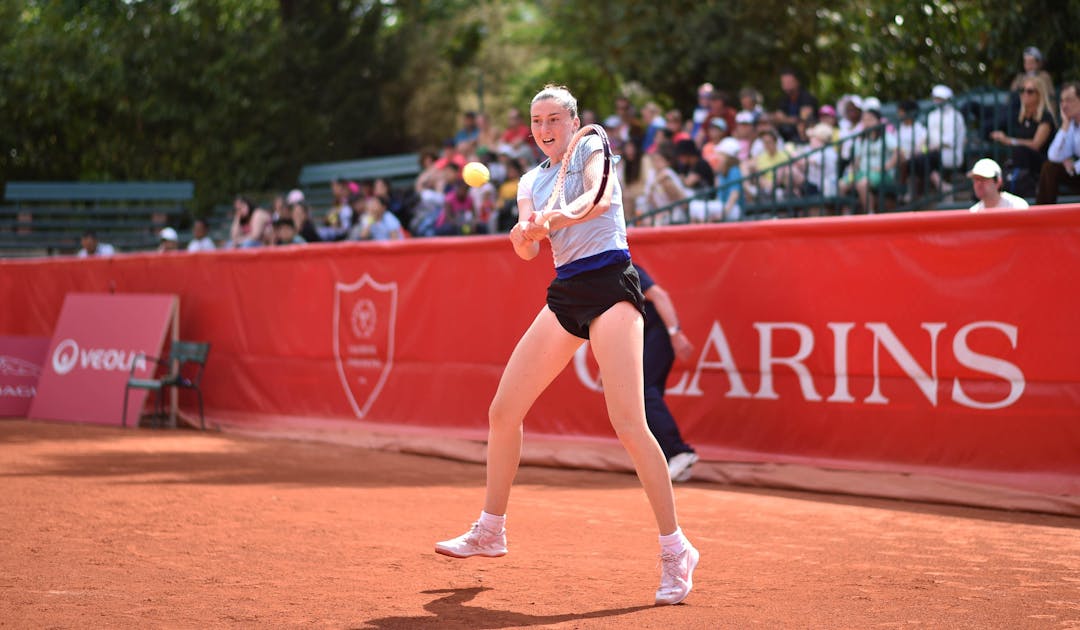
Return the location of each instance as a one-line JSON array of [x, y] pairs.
[[594, 176]]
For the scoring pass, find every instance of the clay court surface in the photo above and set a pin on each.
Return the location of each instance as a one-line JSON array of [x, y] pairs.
[[107, 528]]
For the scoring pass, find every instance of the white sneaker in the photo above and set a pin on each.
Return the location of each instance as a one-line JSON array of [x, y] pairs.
[[478, 541], [679, 466], [676, 576]]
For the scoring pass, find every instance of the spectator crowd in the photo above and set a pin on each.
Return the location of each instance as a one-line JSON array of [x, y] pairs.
[[730, 152]]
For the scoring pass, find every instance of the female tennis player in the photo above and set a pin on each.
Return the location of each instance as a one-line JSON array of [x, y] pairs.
[[596, 296]]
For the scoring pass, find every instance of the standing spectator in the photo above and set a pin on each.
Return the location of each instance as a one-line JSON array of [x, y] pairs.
[[301, 217], [1060, 168], [702, 109], [200, 237], [1032, 59], [1030, 140], [285, 232], [796, 104], [986, 182], [664, 341], [946, 134], [168, 240], [469, 131]]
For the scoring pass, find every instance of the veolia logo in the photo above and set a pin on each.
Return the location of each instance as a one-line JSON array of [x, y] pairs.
[[65, 356], [68, 354]]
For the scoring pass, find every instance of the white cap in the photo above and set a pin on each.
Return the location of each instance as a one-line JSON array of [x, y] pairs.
[[871, 102], [168, 234], [729, 146], [943, 92], [854, 99], [985, 168], [295, 196], [744, 118]]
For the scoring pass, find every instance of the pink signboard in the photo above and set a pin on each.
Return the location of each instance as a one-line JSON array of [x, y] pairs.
[[97, 339], [21, 359]]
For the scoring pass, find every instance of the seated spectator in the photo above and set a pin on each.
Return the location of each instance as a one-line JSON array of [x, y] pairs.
[[652, 118], [717, 131], [720, 106], [663, 186], [487, 136], [251, 225], [168, 240], [875, 159], [376, 223], [772, 183], [986, 181], [676, 125], [285, 233], [91, 246], [506, 197], [695, 172], [457, 212], [1030, 140], [821, 176], [827, 115], [200, 237], [301, 217], [1060, 167], [729, 200], [795, 105], [744, 132], [750, 102], [911, 139]]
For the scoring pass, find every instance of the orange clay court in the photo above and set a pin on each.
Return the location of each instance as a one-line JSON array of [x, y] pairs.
[[106, 528]]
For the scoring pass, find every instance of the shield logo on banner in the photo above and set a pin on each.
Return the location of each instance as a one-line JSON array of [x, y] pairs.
[[364, 316]]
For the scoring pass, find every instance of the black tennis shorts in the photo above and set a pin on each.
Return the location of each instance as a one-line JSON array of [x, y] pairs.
[[579, 299]]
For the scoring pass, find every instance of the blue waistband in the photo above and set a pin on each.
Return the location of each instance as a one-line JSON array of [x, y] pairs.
[[588, 263]]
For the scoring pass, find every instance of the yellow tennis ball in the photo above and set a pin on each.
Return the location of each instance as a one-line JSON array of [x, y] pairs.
[[475, 174]]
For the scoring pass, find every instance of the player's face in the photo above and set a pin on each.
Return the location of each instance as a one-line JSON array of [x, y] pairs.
[[552, 127]]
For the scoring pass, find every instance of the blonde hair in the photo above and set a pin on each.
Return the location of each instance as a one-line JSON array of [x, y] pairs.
[[1044, 101], [560, 94]]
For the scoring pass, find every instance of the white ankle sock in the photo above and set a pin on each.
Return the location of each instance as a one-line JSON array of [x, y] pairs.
[[492, 522], [675, 542]]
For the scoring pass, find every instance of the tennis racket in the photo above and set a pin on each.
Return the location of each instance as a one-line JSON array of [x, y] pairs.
[[594, 177]]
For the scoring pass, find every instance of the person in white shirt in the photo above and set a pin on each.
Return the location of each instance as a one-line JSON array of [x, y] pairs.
[[986, 180], [1060, 167], [91, 246], [200, 237]]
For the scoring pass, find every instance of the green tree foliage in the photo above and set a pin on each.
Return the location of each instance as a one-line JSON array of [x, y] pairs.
[[239, 94]]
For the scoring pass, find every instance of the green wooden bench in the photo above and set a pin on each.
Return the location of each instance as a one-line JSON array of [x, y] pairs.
[[399, 170], [42, 218]]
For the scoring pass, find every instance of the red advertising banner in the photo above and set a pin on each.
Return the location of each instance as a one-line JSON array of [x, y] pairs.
[[21, 359], [97, 340], [940, 343]]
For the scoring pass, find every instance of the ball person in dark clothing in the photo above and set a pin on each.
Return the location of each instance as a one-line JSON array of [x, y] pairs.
[[664, 341]]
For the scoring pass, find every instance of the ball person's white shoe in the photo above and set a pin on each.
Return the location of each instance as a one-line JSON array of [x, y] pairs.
[[679, 466], [478, 541]]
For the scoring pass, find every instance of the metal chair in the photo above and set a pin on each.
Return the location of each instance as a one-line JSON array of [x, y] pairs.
[[181, 355]]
